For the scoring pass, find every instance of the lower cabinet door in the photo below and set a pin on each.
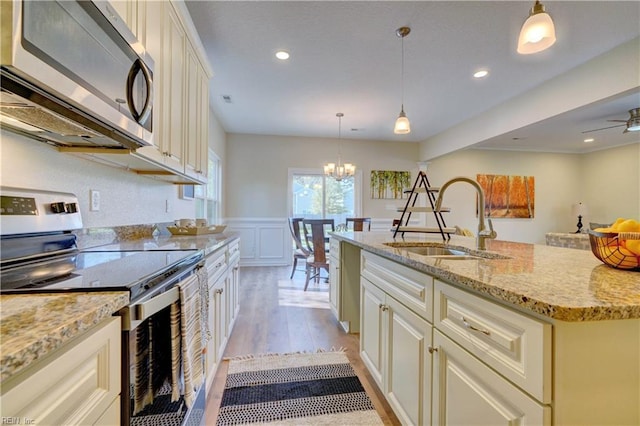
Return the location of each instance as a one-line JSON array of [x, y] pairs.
[[371, 329], [467, 392], [78, 384], [408, 364], [334, 285]]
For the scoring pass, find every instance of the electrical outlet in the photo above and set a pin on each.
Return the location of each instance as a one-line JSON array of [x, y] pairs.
[[94, 200]]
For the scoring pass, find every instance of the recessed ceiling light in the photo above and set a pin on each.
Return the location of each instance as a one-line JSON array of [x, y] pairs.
[[480, 74], [282, 55], [589, 140]]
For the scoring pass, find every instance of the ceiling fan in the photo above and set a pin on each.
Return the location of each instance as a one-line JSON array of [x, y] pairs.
[[632, 124]]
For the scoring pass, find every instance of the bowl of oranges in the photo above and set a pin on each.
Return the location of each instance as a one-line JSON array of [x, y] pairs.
[[618, 246]]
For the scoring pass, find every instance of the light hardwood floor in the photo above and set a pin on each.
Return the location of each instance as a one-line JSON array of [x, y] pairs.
[[277, 316]]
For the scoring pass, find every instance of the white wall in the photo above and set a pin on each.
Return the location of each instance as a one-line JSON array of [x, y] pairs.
[[610, 182], [257, 170], [557, 187], [126, 198]]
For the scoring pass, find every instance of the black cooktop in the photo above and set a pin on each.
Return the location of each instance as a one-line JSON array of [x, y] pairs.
[[100, 271]]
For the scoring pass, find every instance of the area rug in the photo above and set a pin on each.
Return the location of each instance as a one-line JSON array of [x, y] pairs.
[[295, 389]]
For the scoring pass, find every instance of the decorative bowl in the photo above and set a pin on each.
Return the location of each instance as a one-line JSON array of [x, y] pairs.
[[610, 248]]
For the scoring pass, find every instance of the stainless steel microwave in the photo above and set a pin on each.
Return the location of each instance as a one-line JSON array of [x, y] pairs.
[[74, 75]]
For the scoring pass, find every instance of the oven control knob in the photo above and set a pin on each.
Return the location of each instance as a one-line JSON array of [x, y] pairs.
[[58, 208], [71, 207]]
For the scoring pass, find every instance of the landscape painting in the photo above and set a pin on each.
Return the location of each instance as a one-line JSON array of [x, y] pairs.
[[508, 196], [389, 183]]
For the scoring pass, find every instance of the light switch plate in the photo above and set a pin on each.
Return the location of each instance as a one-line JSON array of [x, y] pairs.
[[94, 201]]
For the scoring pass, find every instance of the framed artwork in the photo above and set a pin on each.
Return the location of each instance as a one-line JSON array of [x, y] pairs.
[[389, 183], [508, 196]]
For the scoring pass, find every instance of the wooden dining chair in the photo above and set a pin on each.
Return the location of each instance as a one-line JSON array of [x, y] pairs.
[[359, 223], [301, 251], [315, 232]]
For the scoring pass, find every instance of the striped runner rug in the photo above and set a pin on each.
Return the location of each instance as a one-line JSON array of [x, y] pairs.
[[295, 389]]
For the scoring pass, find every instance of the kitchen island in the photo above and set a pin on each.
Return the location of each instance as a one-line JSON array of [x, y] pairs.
[[521, 332]]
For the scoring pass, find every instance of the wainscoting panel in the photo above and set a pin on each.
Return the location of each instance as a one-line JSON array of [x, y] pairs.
[[263, 241]]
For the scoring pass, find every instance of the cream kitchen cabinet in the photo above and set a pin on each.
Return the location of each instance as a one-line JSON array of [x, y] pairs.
[[196, 117], [466, 392], [222, 273], [395, 341], [133, 13], [344, 300], [78, 384], [411, 323], [181, 99]]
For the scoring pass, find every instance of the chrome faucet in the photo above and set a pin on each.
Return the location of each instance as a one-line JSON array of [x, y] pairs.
[[483, 232]]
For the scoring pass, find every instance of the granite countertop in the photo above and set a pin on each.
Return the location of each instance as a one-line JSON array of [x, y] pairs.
[[207, 242], [32, 325], [555, 282]]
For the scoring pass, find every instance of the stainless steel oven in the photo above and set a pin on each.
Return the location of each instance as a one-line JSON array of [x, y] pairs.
[[39, 254]]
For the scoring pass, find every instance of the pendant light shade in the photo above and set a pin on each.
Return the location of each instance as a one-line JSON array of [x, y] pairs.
[[538, 32], [402, 126]]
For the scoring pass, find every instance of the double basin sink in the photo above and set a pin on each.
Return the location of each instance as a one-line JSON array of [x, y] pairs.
[[444, 251]]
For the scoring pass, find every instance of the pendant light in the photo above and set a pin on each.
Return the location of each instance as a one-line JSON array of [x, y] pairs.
[[402, 126], [339, 171], [538, 32]]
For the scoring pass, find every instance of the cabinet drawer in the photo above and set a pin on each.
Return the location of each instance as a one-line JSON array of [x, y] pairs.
[[216, 264], [466, 392], [76, 384], [515, 345], [411, 287], [234, 252]]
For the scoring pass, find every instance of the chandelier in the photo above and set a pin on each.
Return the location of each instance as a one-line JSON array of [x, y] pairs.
[[338, 170]]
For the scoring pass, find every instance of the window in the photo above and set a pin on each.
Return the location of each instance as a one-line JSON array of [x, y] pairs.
[[208, 196], [314, 196]]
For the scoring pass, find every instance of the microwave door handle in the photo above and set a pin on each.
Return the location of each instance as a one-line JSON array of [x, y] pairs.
[[137, 66]]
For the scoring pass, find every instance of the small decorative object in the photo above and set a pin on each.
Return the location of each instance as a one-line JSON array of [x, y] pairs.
[[579, 210], [508, 196], [389, 183]]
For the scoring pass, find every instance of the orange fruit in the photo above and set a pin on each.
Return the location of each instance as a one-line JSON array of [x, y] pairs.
[[618, 221], [605, 230], [629, 225], [633, 246]]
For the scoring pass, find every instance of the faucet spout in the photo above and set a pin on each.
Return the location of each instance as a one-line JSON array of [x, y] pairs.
[[483, 232]]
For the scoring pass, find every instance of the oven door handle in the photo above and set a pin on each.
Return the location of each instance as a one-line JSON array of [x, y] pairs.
[[144, 310]]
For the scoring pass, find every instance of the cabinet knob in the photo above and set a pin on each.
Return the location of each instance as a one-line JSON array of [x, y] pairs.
[[384, 308], [219, 291], [431, 349], [470, 327]]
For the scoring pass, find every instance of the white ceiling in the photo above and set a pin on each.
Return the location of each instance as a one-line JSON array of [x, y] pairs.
[[345, 57]]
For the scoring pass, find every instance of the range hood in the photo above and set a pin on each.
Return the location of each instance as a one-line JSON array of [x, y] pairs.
[[30, 111]]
